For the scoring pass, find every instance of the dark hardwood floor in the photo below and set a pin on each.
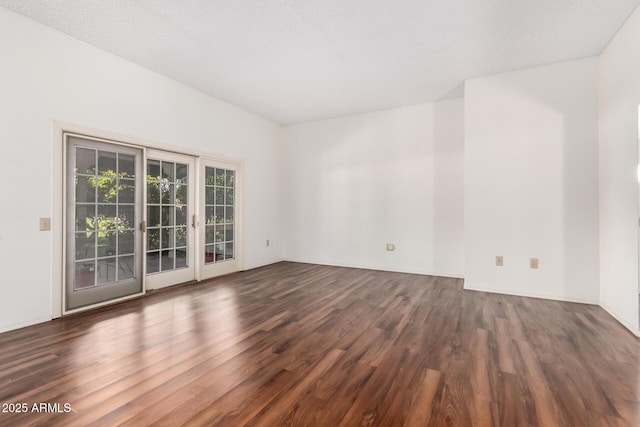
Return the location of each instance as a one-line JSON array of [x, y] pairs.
[[308, 345]]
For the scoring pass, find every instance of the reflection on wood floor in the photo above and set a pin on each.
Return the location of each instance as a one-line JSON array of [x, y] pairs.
[[300, 344]]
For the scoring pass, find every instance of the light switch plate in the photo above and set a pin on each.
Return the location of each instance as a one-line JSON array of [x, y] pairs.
[[533, 263]]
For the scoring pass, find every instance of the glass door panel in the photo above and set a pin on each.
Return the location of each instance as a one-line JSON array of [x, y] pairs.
[[104, 200], [170, 223], [219, 213]]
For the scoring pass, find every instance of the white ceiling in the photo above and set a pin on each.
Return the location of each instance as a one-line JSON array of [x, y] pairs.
[[294, 61]]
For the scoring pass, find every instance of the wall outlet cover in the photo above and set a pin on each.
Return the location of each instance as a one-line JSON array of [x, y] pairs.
[[45, 224]]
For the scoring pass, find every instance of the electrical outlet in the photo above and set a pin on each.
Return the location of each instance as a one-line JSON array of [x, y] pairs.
[[499, 261], [45, 224], [533, 263], [268, 242], [391, 247]]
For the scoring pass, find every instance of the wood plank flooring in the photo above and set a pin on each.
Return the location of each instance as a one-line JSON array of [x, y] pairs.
[[307, 345]]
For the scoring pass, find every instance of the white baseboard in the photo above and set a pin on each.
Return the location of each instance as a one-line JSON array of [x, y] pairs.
[[624, 322], [531, 295], [19, 325], [252, 266], [374, 267]]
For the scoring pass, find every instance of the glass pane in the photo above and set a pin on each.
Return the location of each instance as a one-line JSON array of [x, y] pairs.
[[106, 272], [85, 245], [167, 260], [231, 178], [106, 163], [228, 233], [181, 258], [168, 171], [126, 166], [153, 170], [220, 177], [228, 217], [209, 234], [106, 243], [85, 189], [84, 276], [167, 189], [85, 161], [106, 217], [181, 194], [228, 251], [167, 215], [106, 189], [153, 216], [153, 192], [166, 240], [209, 175], [153, 239], [210, 215], [126, 191], [126, 217], [219, 251], [219, 233], [126, 267], [181, 215], [219, 196], [219, 214], [181, 236], [126, 241], [181, 172], [85, 217], [210, 195], [209, 254], [153, 262]]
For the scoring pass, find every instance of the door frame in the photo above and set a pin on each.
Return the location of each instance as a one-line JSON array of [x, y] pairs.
[[58, 192]]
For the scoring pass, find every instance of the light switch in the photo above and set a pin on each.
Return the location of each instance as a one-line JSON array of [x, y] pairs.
[[533, 263], [391, 247]]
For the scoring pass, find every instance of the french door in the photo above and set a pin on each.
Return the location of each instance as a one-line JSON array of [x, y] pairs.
[[220, 218], [171, 221], [103, 239], [138, 218]]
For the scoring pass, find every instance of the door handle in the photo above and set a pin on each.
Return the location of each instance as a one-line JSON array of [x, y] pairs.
[[194, 222], [143, 226]]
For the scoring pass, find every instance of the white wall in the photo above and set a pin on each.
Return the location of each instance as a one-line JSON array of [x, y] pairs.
[[48, 76], [355, 183], [531, 181], [619, 99]]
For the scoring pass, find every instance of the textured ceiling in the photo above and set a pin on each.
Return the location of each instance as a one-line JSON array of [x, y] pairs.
[[294, 61]]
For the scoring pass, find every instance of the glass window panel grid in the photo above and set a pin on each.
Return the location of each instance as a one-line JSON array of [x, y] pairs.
[[105, 218], [167, 214], [219, 214]]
